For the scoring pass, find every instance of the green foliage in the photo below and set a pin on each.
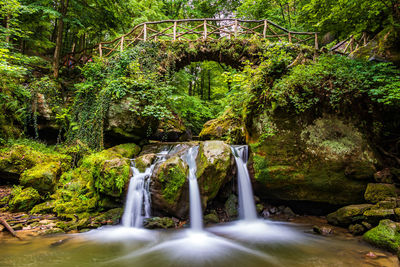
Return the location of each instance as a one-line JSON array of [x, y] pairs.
[[193, 110], [129, 74], [339, 81]]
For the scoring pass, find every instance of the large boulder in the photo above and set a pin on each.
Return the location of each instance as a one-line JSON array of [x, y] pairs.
[[386, 235], [18, 158], [378, 192], [327, 161], [348, 215], [43, 177], [96, 184], [215, 167], [170, 191], [228, 127], [169, 186]]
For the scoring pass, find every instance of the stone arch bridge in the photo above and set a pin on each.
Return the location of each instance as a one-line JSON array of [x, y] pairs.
[[194, 30]]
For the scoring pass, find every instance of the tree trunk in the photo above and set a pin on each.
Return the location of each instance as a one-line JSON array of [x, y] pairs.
[[201, 84], [209, 84], [190, 81], [60, 28]]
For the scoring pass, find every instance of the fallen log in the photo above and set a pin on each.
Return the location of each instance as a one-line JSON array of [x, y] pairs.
[[9, 228]]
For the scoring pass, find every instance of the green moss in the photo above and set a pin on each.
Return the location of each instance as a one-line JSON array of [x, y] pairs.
[[378, 192], [386, 235], [159, 222], [348, 215], [23, 199], [286, 168], [228, 127], [129, 150], [112, 217], [143, 162], [214, 168], [17, 158], [172, 177], [100, 176], [43, 208], [42, 177]]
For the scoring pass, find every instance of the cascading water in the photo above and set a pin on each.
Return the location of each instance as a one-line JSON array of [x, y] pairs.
[[247, 207], [137, 206], [196, 216]]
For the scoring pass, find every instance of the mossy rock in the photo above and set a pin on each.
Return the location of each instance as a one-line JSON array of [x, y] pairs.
[[231, 206], [144, 161], [348, 215], [170, 187], [129, 150], [308, 162], [211, 218], [42, 177], [172, 129], [356, 229], [386, 204], [23, 199], [378, 192], [215, 165], [386, 235], [18, 158], [100, 176], [111, 217], [43, 208], [228, 127], [373, 216], [159, 223]]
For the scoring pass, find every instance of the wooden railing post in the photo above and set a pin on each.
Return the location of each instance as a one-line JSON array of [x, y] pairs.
[[100, 50], [316, 41], [205, 30], [175, 23], [265, 29], [122, 43], [235, 28], [145, 32], [290, 37]]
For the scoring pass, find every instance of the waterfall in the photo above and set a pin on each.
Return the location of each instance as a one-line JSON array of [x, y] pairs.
[[247, 207], [196, 212], [137, 205]]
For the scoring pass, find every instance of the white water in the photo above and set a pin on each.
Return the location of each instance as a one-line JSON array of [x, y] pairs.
[[196, 212], [137, 206], [247, 207]]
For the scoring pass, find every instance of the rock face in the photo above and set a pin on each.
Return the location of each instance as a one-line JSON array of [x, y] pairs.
[[124, 124], [384, 47], [227, 127], [378, 192], [326, 161]]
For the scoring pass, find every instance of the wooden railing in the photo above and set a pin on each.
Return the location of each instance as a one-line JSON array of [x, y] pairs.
[[349, 45], [209, 29]]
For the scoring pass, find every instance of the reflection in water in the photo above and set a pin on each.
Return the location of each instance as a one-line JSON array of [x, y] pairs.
[[261, 243]]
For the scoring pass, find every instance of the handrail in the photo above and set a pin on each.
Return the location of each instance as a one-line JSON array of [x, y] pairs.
[[229, 28]]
